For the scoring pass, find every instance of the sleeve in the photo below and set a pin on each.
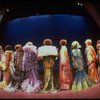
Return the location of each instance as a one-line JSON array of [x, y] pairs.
[[67, 56], [89, 55], [94, 53], [12, 69], [73, 62], [3, 62]]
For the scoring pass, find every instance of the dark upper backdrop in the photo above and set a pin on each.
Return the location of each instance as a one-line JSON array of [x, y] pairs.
[[55, 27]]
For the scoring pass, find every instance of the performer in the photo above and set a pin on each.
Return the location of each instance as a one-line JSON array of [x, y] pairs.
[[8, 62], [30, 66], [65, 74], [2, 63], [98, 56], [81, 80], [17, 77], [48, 54], [91, 61]]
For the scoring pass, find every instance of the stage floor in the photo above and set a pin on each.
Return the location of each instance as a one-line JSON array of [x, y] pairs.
[[93, 92]]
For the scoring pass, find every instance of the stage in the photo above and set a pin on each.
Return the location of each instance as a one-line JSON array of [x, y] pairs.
[[73, 21], [93, 92]]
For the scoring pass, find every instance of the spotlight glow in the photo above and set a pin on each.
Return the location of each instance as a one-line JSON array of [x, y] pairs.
[[78, 3], [81, 4], [7, 10]]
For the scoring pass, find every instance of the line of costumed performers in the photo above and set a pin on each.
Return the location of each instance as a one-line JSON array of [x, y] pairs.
[[19, 69]]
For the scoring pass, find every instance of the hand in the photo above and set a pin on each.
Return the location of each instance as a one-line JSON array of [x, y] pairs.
[[39, 58], [90, 62]]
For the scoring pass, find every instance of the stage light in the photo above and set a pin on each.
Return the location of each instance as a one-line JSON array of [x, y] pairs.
[[78, 3], [7, 10], [81, 4]]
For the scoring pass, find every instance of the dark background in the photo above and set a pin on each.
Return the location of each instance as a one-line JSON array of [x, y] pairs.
[[55, 27], [35, 21]]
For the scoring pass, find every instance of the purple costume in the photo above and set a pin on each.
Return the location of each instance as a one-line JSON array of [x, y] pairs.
[[30, 66], [17, 75]]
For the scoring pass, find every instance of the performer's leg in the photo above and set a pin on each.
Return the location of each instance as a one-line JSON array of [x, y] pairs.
[[47, 78], [52, 84]]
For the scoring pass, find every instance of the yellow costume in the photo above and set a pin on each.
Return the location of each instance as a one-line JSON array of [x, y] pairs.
[[6, 68]]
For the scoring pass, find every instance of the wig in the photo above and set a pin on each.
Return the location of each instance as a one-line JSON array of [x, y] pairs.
[[75, 44], [63, 42], [88, 41], [18, 46], [8, 47], [47, 42]]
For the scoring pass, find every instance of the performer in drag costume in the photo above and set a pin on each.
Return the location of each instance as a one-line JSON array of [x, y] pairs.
[[2, 63], [48, 54], [98, 56], [81, 79], [8, 66], [65, 73], [30, 66], [91, 61], [17, 74]]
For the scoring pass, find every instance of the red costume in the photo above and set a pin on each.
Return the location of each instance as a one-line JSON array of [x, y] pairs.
[[91, 61], [65, 74]]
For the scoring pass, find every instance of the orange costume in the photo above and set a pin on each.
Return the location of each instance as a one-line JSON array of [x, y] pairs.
[[91, 61], [7, 73]]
